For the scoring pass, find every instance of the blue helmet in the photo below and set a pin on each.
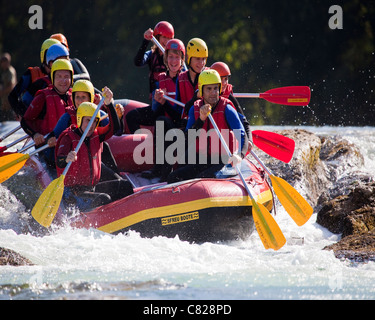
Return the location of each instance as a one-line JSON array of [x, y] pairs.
[[56, 51]]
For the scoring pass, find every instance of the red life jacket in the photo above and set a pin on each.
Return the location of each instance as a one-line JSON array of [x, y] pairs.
[[228, 90], [167, 83], [54, 109], [213, 146], [185, 87], [86, 170]]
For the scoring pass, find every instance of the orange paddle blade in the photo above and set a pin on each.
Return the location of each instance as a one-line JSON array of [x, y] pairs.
[[11, 164], [296, 206], [268, 230]]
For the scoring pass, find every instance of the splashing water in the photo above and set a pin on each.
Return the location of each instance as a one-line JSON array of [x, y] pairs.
[[89, 264]]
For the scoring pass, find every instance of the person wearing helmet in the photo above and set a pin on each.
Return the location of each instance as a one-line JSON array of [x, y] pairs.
[[227, 92], [196, 57], [49, 104], [24, 86], [54, 52], [208, 144], [161, 110], [83, 91], [80, 71], [174, 56], [163, 32], [86, 177]]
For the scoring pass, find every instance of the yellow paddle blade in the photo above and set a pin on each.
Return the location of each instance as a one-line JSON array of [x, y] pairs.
[[48, 203], [296, 206], [268, 229], [11, 164]]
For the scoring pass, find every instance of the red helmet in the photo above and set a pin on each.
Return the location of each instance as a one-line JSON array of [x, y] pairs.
[[222, 68], [175, 44], [164, 28]]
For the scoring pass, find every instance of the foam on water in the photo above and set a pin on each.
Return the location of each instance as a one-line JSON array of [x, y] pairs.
[[82, 264]]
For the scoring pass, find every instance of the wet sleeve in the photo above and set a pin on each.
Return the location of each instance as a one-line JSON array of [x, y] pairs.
[[113, 126], [65, 147], [192, 123], [64, 122], [15, 95], [142, 57]]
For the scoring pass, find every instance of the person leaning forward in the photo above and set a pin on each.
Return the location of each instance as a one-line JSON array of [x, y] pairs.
[[85, 179], [49, 105]]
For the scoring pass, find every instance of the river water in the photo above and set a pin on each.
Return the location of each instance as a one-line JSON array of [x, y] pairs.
[[88, 264]]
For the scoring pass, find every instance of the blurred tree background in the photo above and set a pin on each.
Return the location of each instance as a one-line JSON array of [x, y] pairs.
[[266, 43]]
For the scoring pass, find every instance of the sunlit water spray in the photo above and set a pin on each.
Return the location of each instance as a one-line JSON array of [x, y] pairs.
[[89, 264]]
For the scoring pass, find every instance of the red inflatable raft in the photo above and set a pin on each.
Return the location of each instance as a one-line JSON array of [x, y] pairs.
[[198, 210]]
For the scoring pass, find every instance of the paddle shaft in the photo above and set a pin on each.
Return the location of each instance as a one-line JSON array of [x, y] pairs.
[[230, 154], [246, 95], [21, 159], [261, 163], [9, 133], [268, 229], [2, 149]]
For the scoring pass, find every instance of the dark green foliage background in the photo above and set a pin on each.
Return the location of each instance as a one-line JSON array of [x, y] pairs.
[[266, 43]]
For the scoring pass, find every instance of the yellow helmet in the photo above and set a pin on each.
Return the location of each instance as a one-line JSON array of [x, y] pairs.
[[196, 48], [86, 109], [61, 64], [45, 45], [84, 86], [209, 76]]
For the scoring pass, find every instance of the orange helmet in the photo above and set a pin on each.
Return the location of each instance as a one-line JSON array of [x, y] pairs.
[[60, 37], [164, 28], [222, 68]]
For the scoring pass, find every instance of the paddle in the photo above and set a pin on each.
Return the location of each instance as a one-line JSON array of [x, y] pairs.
[[4, 148], [291, 96], [274, 144], [268, 230], [12, 163], [296, 206], [9, 133], [48, 203]]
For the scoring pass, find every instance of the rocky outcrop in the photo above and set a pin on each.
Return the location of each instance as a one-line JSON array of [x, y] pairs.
[[353, 216], [9, 257], [326, 171], [319, 166]]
